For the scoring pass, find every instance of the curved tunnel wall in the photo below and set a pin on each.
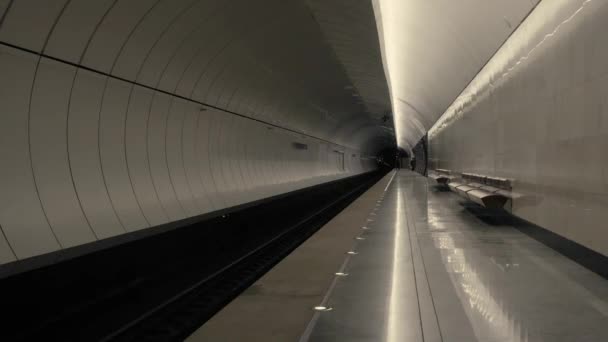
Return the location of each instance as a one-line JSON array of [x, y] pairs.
[[537, 113], [119, 116]]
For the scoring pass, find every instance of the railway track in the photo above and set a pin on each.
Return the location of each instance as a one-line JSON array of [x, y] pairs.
[[164, 287], [178, 317]]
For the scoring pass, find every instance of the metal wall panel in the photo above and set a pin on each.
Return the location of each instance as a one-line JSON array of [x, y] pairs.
[[137, 137], [6, 253], [172, 39], [113, 32], [269, 162], [256, 155], [232, 162], [175, 158], [157, 154], [21, 215], [226, 167], [113, 155], [203, 152], [247, 79], [241, 158], [288, 159], [224, 170], [83, 145], [249, 177], [228, 85], [190, 156], [215, 159], [272, 153], [246, 163], [143, 38], [49, 147], [233, 157], [191, 44], [197, 65], [244, 19], [284, 159], [77, 23], [3, 8], [217, 79], [17, 28]]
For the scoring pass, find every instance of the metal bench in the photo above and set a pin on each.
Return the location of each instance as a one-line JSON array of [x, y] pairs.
[[487, 191], [441, 176]]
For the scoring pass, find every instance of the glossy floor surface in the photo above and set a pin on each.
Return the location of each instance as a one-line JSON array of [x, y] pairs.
[[430, 268]]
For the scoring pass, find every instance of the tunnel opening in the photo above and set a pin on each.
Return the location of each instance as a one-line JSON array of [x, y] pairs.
[[387, 158]]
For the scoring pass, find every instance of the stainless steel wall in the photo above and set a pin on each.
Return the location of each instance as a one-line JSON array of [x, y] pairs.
[[118, 116], [538, 113]]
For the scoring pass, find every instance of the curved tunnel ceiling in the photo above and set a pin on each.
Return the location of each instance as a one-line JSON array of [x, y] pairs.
[[120, 116], [311, 66], [432, 49], [268, 60]]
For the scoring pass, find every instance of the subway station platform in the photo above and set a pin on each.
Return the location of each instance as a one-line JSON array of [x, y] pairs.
[[408, 262]]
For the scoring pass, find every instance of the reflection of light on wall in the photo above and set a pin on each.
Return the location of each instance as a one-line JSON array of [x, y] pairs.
[[505, 61], [499, 323], [394, 333], [389, 28]]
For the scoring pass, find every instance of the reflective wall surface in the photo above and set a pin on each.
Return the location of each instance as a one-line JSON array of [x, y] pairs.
[[538, 113]]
